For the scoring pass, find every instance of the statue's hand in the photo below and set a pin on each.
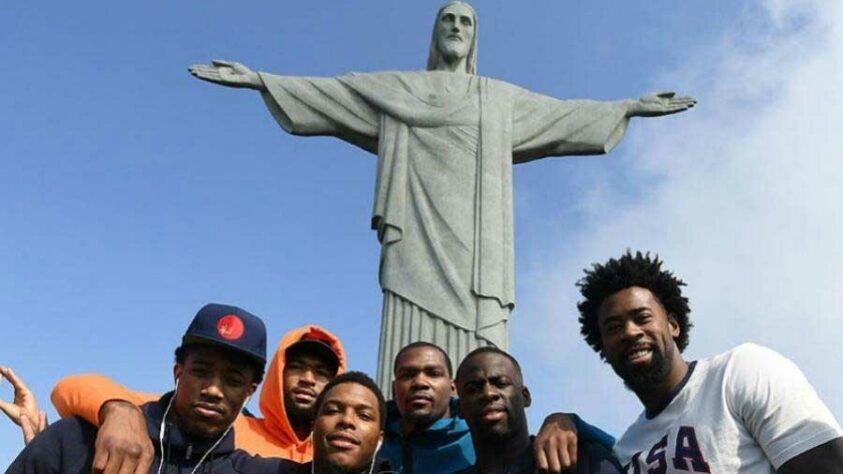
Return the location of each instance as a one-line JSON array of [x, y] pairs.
[[658, 104], [227, 73]]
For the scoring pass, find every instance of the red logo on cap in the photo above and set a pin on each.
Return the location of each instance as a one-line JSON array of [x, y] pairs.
[[230, 327]]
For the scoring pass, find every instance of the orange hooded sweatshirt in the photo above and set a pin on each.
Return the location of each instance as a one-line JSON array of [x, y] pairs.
[[272, 436]]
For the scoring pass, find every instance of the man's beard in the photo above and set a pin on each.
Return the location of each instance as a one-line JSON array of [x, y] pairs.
[[497, 436], [300, 415], [646, 376]]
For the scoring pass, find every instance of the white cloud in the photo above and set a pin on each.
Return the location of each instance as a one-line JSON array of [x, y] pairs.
[[744, 203]]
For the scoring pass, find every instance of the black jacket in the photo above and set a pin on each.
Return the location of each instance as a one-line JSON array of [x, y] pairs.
[[382, 466], [592, 458], [67, 446]]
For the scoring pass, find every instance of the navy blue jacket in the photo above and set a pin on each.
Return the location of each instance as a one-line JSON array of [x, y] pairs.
[[67, 446], [592, 458], [446, 445]]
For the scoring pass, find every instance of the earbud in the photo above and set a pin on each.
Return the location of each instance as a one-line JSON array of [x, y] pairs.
[[374, 457], [176, 389]]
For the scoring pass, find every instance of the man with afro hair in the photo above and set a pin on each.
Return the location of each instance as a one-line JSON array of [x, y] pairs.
[[748, 410]]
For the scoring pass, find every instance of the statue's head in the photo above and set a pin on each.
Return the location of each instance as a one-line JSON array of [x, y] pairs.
[[454, 36]]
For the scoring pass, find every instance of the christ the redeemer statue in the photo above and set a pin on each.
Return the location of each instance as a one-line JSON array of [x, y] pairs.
[[446, 140]]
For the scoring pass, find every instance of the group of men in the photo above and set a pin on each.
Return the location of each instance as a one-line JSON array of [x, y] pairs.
[[316, 418], [746, 410]]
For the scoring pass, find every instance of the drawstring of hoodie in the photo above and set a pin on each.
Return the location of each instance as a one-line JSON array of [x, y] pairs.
[[162, 430], [212, 448], [169, 451]]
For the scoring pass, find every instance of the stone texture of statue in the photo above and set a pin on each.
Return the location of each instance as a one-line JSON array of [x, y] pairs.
[[446, 140]]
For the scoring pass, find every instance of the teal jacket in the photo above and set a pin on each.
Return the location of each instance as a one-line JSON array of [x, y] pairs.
[[445, 446]]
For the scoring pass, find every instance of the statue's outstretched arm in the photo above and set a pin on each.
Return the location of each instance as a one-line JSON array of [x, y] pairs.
[[658, 104], [228, 73]]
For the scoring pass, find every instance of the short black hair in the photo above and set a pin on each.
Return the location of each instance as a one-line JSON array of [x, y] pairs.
[[642, 270], [431, 345], [491, 350], [184, 350], [360, 379]]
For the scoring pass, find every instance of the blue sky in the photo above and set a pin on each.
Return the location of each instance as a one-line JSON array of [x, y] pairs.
[[133, 193]]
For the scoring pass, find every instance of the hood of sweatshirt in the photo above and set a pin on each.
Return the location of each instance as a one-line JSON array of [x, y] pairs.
[[272, 392]]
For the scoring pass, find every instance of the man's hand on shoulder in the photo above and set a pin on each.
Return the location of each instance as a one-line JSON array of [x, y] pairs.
[[555, 447], [123, 443]]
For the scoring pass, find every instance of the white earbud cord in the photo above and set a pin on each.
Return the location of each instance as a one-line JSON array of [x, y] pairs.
[[164, 427], [375, 456], [214, 446]]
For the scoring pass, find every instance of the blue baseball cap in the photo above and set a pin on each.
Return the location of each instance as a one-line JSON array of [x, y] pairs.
[[230, 327]]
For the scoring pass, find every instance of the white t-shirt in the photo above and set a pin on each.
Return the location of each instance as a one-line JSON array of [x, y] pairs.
[[748, 410]]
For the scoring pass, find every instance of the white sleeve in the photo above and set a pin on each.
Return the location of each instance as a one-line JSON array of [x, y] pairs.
[[776, 403]]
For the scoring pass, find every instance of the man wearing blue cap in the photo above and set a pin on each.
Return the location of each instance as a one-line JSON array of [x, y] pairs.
[[219, 364]]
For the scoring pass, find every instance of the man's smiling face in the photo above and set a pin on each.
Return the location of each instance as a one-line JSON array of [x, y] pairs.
[[347, 429], [638, 337]]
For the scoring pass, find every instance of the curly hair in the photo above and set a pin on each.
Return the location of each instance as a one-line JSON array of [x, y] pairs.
[[604, 280]]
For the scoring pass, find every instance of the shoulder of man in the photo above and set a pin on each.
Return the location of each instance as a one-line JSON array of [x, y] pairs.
[[747, 350], [741, 364], [744, 366], [776, 403]]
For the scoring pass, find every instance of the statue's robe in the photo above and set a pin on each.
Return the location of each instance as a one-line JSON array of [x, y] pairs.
[[443, 198]]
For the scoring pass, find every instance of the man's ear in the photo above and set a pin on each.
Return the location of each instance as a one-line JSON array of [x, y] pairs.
[[393, 389], [453, 388], [674, 325], [528, 399], [178, 370], [252, 389]]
